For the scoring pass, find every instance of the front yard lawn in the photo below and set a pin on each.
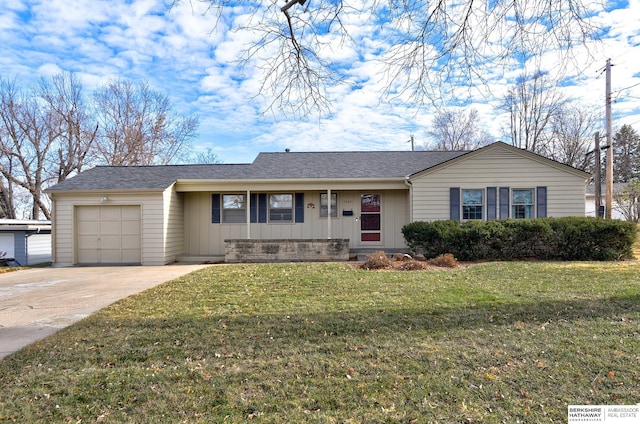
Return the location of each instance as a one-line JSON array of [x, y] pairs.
[[329, 343]]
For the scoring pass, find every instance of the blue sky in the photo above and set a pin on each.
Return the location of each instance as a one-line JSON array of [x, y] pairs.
[[180, 54]]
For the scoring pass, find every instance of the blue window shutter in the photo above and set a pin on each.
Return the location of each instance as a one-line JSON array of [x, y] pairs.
[[253, 207], [454, 203], [541, 202], [492, 205], [504, 202], [299, 207], [215, 208], [262, 207]]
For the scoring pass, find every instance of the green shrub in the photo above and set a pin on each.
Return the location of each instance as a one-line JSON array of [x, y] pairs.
[[433, 238], [594, 239], [571, 238]]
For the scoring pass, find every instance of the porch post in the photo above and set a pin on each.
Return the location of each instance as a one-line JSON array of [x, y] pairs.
[[329, 213], [248, 212]]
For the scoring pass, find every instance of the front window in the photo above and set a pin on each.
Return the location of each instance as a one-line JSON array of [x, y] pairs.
[[472, 204], [281, 207], [522, 203], [324, 206], [234, 208]]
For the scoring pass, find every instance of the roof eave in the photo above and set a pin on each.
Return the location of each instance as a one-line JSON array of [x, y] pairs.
[[287, 180], [501, 144], [301, 183], [93, 191]]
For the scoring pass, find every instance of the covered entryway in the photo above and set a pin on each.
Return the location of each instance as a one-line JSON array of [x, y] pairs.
[[108, 234]]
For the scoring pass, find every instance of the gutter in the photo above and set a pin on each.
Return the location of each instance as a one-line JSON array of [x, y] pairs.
[[287, 180], [53, 193]]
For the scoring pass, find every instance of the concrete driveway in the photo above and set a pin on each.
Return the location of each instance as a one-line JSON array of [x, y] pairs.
[[38, 302]]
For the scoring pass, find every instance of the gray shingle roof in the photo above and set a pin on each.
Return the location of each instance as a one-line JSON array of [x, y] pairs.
[[273, 166], [145, 177], [347, 164]]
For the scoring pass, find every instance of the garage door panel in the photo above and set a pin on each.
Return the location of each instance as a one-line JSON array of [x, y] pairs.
[[87, 242], [88, 213], [88, 256], [131, 255], [111, 256], [110, 227], [131, 213], [110, 242], [88, 228], [111, 213], [131, 227], [108, 234], [131, 242]]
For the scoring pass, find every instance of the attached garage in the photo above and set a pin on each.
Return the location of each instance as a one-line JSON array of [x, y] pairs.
[[108, 234]]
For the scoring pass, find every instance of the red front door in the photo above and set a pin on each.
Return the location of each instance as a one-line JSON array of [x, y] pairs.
[[370, 219]]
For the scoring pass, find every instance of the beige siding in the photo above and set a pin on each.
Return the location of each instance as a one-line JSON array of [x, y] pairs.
[[62, 240], [498, 168], [202, 238], [152, 223], [174, 224]]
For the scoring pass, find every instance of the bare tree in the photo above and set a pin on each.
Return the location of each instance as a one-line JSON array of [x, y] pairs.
[[206, 157], [532, 104], [572, 131], [25, 141], [429, 46], [74, 129], [7, 208], [48, 134], [458, 130], [137, 125], [627, 201]]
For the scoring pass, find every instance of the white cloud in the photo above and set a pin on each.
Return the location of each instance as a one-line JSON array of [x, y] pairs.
[[49, 70], [182, 53]]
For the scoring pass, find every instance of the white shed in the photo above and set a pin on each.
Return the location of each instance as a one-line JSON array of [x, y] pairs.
[[27, 242]]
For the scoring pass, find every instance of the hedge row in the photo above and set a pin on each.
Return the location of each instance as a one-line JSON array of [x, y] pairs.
[[572, 238]]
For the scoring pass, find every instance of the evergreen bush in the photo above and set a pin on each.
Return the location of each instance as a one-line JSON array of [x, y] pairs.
[[570, 238]]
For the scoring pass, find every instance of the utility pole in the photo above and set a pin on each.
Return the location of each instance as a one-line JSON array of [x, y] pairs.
[[608, 207], [597, 178]]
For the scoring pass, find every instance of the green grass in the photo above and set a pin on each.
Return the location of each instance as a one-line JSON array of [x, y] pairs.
[[328, 343]]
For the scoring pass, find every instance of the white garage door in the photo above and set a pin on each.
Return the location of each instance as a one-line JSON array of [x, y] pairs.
[[38, 248], [108, 234], [6, 245]]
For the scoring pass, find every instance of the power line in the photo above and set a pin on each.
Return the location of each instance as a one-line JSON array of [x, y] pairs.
[[626, 88]]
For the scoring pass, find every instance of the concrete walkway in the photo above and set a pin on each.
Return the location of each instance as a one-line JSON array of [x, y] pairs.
[[35, 303]]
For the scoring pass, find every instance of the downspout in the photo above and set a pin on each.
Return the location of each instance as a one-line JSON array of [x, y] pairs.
[[329, 214], [409, 184]]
